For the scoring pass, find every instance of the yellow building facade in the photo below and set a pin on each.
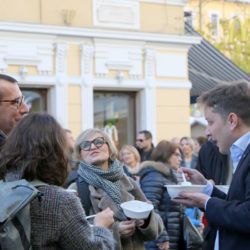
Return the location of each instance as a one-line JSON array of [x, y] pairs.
[[118, 65], [205, 15]]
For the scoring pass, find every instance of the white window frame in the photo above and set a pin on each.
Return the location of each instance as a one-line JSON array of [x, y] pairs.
[[217, 13], [192, 15]]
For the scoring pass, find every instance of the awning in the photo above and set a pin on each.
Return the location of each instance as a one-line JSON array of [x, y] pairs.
[[208, 67]]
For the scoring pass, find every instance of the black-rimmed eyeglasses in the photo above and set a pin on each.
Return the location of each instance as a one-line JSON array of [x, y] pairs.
[[98, 142], [18, 101]]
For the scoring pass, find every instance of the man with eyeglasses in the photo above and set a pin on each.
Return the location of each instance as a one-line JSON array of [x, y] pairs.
[[12, 106], [144, 145]]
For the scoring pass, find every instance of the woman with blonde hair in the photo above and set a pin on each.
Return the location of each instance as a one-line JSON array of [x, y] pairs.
[[102, 183], [130, 157], [189, 159]]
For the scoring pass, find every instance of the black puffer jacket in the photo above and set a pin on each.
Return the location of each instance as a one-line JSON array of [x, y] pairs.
[[153, 177]]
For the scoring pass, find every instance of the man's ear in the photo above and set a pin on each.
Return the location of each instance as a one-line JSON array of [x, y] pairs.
[[233, 120]]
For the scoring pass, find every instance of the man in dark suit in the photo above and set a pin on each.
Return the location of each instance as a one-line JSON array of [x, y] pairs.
[[227, 110], [12, 106]]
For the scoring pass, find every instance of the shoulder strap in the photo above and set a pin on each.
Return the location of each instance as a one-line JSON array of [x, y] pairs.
[[83, 193], [38, 183]]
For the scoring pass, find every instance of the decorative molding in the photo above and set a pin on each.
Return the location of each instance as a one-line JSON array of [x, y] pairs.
[[119, 65], [26, 52], [185, 40], [87, 94], [87, 53], [61, 59], [116, 14], [149, 63], [167, 2], [138, 84], [171, 65], [149, 110], [3, 53], [60, 103], [118, 56]]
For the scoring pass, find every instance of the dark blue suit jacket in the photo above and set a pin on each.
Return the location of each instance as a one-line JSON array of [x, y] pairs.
[[231, 214]]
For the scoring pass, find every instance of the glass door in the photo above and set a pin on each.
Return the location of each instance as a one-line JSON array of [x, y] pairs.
[[115, 113], [36, 99]]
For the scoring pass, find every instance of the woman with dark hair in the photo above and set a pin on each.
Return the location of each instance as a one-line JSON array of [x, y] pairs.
[[108, 186], [154, 175], [36, 149]]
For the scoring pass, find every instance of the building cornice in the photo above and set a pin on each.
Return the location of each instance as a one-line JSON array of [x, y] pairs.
[[98, 33], [167, 2]]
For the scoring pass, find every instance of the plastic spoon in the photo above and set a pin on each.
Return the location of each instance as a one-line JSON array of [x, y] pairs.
[[90, 216], [185, 182]]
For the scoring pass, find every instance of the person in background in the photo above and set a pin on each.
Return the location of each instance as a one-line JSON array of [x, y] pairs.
[[36, 149], [73, 168], [176, 140], [108, 186], [189, 159], [70, 140], [154, 175], [227, 111], [12, 106], [195, 215], [144, 145], [130, 157], [198, 142]]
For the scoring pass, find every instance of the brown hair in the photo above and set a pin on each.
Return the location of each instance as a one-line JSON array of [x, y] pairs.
[[163, 151], [146, 133], [227, 98], [201, 140], [37, 149]]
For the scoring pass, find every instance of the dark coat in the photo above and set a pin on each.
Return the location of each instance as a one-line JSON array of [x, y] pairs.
[[212, 164], [2, 138], [153, 177], [231, 213], [145, 155]]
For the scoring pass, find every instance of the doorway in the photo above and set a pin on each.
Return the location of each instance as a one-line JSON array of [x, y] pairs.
[[115, 113]]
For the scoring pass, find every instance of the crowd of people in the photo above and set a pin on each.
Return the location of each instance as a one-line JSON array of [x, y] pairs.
[[36, 147]]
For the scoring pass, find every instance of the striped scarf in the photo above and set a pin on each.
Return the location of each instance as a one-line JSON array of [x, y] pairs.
[[109, 181]]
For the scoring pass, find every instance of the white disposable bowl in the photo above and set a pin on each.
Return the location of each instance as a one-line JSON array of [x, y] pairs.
[[136, 209], [223, 188], [174, 190]]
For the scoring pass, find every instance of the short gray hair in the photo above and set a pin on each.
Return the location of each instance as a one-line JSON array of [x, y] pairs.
[[88, 133]]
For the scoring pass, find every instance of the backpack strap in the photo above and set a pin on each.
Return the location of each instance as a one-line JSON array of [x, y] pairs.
[[38, 183], [83, 193]]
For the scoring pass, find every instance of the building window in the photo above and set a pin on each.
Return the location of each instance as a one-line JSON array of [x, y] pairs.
[[115, 113], [36, 99], [214, 25], [188, 17]]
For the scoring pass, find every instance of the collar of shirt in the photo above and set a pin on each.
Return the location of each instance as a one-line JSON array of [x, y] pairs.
[[238, 148]]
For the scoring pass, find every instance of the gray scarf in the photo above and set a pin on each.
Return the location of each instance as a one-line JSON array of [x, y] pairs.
[[109, 180]]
